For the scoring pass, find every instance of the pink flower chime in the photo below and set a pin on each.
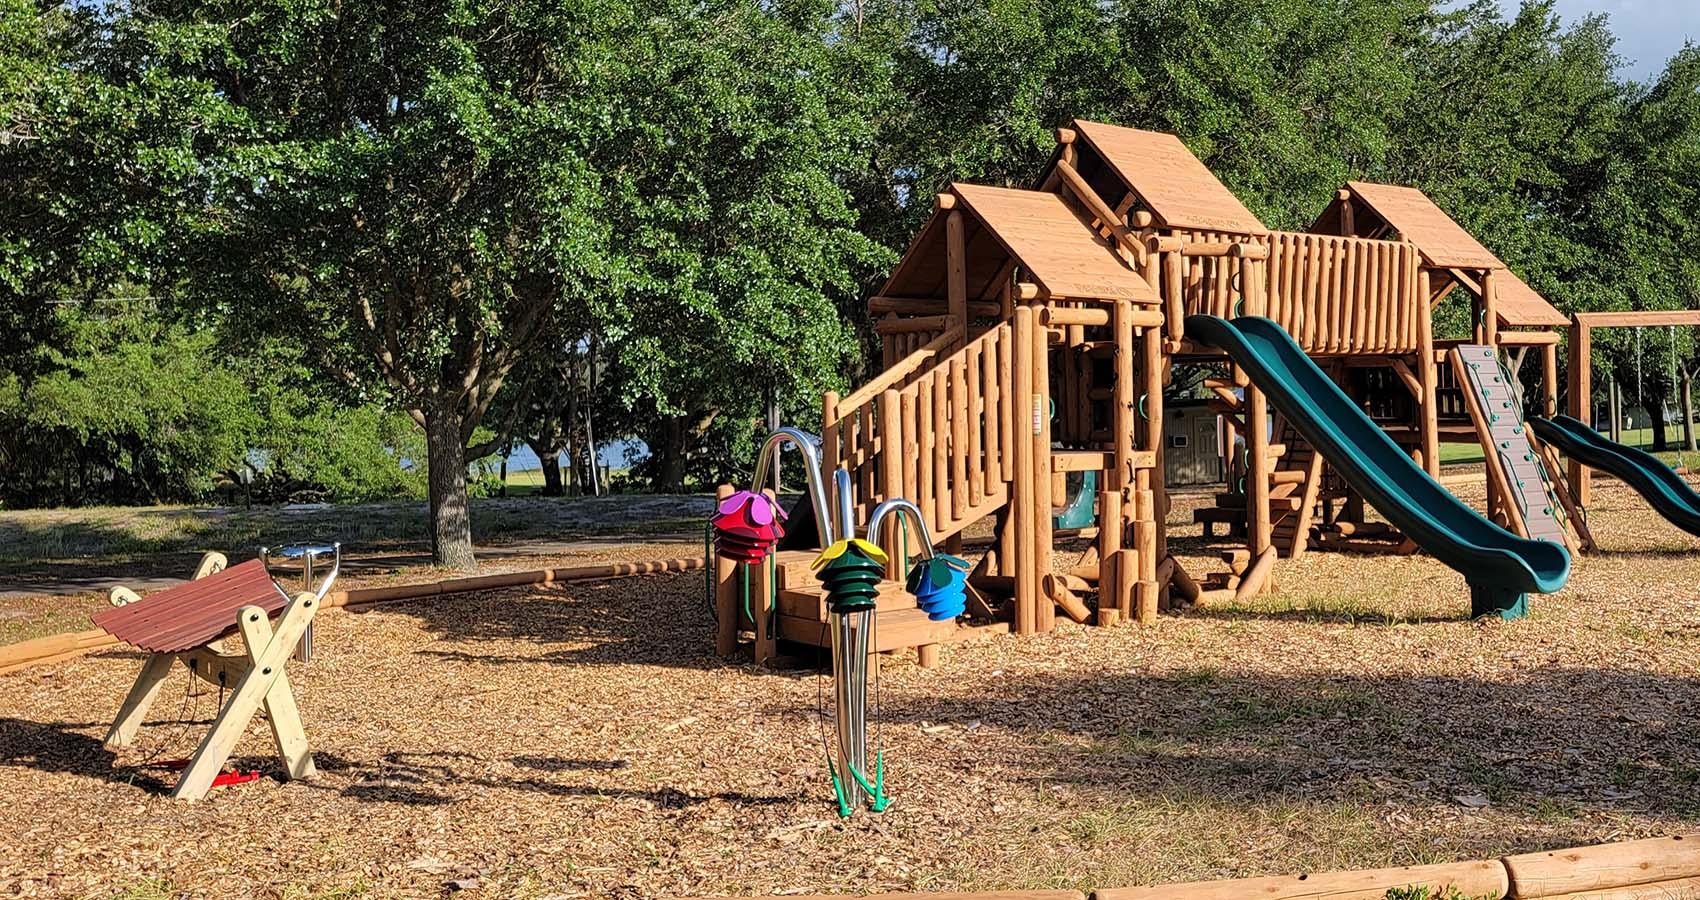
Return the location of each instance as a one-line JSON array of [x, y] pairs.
[[747, 526]]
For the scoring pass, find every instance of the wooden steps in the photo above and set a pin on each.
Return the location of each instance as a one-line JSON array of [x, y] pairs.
[[900, 624], [808, 603]]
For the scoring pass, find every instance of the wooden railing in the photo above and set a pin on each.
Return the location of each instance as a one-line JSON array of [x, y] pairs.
[[1345, 295], [901, 338], [1333, 294], [938, 437]]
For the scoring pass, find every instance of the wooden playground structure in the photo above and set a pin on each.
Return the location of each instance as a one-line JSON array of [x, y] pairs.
[[1028, 335]]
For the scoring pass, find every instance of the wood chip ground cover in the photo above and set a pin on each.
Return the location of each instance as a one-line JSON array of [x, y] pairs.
[[583, 741]]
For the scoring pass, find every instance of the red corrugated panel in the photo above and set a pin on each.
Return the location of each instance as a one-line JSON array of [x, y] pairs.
[[193, 613]]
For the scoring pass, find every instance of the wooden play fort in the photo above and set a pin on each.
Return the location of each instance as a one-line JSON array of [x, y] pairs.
[[1027, 339]]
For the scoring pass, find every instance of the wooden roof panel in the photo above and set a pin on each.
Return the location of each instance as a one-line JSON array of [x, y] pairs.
[[1520, 306], [1179, 190], [1059, 251], [191, 614], [921, 271], [1442, 242]]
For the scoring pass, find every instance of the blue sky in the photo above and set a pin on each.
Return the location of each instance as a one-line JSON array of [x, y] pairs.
[[1648, 31]]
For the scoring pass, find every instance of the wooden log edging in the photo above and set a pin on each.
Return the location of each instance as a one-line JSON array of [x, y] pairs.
[[1652, 869], [1475, 879], [1604, 869], [1665, 868], [58, 647], [953, 895]]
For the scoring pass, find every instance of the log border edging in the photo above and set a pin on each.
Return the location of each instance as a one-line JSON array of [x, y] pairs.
[[1666, 868]]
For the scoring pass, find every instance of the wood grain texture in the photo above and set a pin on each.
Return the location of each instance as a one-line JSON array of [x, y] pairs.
[[1471, 879], [1179, 190], [1603, 866]]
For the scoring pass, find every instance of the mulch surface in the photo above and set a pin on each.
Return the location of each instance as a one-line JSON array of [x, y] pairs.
[[583, 741]]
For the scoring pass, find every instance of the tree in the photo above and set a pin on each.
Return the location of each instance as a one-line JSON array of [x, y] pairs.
[[733, 130], [98, 148], [132, 410], [410, 192]]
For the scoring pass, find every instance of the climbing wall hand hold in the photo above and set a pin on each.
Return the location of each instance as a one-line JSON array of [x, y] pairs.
[[747, 526], [940, 586]]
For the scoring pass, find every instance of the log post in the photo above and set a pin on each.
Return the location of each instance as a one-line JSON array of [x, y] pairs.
[[1145, 597], [1025, 486], [891, 474], [1428, 373], [829, 443], [1153, 365], [1257, 479], [1046, 620], [1490, 307], [726, 607], [1112, 562], [957, 280], [1581, 401]]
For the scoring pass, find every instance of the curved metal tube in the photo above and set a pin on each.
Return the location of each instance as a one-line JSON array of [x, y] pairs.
[[901, 507], [845, 491], [809, 446]]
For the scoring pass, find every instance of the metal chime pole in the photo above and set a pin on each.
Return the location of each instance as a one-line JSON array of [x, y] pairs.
[[850, 635]]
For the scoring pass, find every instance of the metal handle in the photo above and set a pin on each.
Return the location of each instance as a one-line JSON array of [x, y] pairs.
[[900, 507], [809, 446]]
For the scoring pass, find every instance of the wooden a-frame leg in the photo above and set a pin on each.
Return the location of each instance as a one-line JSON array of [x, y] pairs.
[[281, 711], [142, 695], [269, 653]]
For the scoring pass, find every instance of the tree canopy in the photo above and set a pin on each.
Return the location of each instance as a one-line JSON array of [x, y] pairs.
[[651, 220]]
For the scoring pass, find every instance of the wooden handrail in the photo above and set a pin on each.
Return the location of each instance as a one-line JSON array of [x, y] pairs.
[[895, 375]]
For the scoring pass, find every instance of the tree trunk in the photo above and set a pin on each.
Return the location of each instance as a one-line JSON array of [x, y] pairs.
[[550, 460], [670, 469], [1688, 410], [1614, 412], [451, 524]]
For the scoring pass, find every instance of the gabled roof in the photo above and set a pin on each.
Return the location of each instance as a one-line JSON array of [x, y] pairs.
[[1060, 253], [1444, 244], [1520, 306], [1173, 184]]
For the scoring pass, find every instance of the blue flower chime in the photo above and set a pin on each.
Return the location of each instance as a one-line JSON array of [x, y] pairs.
[[940, 586]]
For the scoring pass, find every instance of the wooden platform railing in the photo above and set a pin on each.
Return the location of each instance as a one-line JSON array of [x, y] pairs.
[[1346, 295], [935, 435], [1333, 294], [903, 338]]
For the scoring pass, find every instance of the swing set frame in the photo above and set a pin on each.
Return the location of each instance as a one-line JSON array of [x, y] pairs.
[[1581, 403]]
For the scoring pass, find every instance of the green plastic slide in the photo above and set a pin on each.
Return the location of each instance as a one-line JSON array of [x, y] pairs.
[[1647, 474], [1500, 567]]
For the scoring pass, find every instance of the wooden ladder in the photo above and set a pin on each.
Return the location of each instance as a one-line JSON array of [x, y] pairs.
[[1297, 483]]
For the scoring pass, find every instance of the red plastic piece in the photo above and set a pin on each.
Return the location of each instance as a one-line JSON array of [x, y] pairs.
[[221, 780], [747, 526]]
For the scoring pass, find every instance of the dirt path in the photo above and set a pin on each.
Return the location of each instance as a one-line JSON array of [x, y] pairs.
[[501, 558]]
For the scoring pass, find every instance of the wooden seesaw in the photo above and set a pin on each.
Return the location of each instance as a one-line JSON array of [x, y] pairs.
[[186, 624]]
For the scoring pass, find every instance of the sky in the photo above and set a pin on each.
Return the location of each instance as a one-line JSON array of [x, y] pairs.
[[1648, 31]]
